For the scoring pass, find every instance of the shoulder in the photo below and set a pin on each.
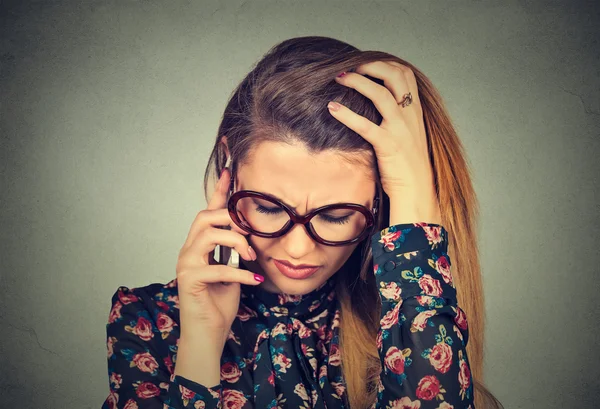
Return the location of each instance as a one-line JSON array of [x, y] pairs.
[[155, 306], [161, 295]]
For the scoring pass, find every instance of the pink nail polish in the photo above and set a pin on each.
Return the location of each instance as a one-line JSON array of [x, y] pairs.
[[334, 106], [259, 278], [341, 74]]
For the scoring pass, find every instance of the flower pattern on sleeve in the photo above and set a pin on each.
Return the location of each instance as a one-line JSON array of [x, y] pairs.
[[142, 334], [423, 332]]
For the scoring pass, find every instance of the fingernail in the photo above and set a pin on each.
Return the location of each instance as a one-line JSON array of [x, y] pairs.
[[259, 278], [334, 106], [341, 74], [252, 253]]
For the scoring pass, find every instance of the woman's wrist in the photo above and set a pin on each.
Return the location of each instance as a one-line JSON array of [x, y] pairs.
[[199, 360], [409, 210]]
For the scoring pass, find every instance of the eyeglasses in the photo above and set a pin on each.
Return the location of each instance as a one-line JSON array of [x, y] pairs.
[[336, 224]]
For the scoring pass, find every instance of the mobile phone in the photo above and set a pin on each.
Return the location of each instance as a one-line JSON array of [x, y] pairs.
[[227, 255]]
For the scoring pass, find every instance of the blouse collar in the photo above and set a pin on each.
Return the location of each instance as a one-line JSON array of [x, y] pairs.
[[301, 306]]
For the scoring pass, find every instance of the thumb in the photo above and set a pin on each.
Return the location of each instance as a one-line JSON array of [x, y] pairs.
[[218, 199]]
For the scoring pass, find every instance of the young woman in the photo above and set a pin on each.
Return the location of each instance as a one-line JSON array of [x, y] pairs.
[[345, 197]]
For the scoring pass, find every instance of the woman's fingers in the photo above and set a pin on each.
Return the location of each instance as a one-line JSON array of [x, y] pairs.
[[208, 239], [219, 198], [211, 218], [216, 274]]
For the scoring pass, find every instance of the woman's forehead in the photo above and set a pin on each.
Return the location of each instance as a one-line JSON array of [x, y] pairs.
[[274, 158], [294, 174]]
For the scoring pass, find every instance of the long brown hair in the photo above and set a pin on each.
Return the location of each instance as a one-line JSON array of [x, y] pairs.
[[284, 98]]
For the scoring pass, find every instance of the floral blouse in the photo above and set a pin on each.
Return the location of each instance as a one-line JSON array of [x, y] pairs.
[[283, 350]]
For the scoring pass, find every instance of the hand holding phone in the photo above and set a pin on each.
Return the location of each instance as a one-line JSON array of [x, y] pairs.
[[206, 305]]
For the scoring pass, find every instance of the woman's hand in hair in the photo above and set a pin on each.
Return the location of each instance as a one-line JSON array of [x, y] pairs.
[[399, 142]]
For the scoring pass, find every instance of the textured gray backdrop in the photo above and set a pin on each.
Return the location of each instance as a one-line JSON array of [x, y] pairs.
[[108, 110]]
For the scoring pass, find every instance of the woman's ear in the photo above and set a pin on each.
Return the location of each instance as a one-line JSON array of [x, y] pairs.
[[224, 142]]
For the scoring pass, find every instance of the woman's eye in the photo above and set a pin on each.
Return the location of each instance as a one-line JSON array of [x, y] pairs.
[[336, 220], [268, 210]]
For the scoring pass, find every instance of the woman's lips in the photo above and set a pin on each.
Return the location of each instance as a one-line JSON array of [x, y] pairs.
[[294, 273]]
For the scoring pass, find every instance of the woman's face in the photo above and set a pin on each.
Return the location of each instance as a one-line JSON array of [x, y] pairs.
[[303, 182]]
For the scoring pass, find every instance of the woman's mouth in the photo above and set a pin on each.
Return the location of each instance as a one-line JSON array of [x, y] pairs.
[[295, 273]]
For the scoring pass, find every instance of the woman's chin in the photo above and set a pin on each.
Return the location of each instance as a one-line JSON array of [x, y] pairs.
[[290, 286]]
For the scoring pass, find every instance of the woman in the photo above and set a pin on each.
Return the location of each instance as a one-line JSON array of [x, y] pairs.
[[373, 321]]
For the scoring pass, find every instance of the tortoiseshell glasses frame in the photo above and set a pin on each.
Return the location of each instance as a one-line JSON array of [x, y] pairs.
[[370, 216]]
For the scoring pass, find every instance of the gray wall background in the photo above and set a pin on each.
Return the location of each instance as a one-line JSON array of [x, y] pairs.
[[108, 110]]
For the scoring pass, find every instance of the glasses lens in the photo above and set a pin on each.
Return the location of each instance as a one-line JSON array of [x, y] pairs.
[[332, 224]]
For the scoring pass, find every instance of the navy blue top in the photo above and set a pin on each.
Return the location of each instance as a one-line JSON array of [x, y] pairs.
[[283, 350]]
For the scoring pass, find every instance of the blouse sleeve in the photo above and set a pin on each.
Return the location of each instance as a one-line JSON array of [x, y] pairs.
[[140, 370], [423, 332]]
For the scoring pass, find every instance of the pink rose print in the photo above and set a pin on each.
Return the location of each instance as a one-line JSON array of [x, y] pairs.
[[169, 363], [424, 300], [283, 361], [145, 362], [394, 360], [304, 349], [230, 371], [379, 340], [334, 355], [404, 403], [109, 346], [130, 404], [115, 380], [391, 291], [112, 400], [271, 378], [419, 322], [446, 405], [443, 266], [186, 393], [244, 314], [115, 312], [285, 298], [441, 357], [174, 299], [458, 332], [279, 329], [430, 285], [464, 376], [199, 404], [433, 233], [127, 298], [164, 322], [428, 387], [322, 332], [389, 239], [163, 305], [303, 331], [143, 329], [391, 317], [147, 390], [300, 390], [233, 399], [339, 387], [461, 318]]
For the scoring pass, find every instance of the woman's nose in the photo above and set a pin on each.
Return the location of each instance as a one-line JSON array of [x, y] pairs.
[[297, 242]]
